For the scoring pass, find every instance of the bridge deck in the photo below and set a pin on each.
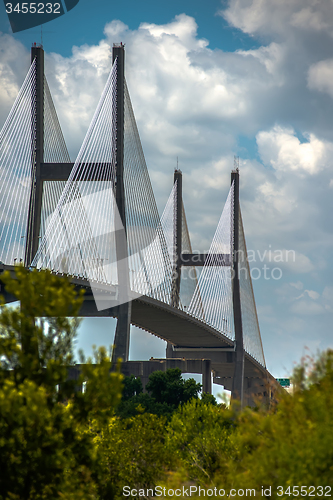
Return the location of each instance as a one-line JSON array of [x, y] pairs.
[[191, 338]]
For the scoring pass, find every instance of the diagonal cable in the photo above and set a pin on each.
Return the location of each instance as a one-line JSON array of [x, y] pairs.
[[15, 172]]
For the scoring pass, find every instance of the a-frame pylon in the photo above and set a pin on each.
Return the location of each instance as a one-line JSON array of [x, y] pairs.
[[60, 171], [238, 378], [122, 336], [226, 266], [37, 157]]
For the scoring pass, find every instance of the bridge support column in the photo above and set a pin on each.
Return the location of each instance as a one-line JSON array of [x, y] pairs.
[[207, 376], [177, 239], [122, 335], [177, 243], [238, 379], [35, 204]]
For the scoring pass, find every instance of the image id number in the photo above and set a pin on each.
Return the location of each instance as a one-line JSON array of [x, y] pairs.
[[304, 491], [33, 8]]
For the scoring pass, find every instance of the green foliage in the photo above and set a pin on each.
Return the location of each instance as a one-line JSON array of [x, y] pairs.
[[32, 348], [199, 437], [169, 387], [289, 445], [167, 391], [143, 403], [56, 442], [102, 389], [46, 450], [208, 399], [42, 450], [132, 453], [292, 445], [132, 387]]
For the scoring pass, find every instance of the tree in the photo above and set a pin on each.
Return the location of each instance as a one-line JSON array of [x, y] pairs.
[[132, 387], [46, 450], [131, 453], [166, 391], [169, 387], [208, 399], [285, 451], [292, 445], [199, 439], [32, 348]]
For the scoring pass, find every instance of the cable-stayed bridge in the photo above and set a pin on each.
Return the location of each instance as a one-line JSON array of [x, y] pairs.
[[96, 220]]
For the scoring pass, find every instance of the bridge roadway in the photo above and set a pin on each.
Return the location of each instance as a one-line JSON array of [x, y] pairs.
[[191, 338]]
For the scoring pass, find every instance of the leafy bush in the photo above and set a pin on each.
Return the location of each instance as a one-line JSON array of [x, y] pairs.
[[167, 390], [45, 449], [199, 438], [132, 453], [292, 445], [56, 442]]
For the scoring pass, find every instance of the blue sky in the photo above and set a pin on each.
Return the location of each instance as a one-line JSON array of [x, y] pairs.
[[85, 23], [209, 80]]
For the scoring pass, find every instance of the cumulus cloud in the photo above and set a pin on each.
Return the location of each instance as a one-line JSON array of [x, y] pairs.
[[76, 85], [320, 76], [285, 152], [14, 65], [290, 260], [271, 57], [282, 199], [279, 16]]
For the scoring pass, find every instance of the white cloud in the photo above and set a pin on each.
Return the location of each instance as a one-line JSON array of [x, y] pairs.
[[291, 260], [317, 16], [115, 29], [310, 302], [298, 263], [298, 285], [183, 28], [76, 85], [306, 308], [272, 58], [279, 16], [309, 293], [281, 198], [285, 152], [14, 65], [320, 76], [328, 293], [312, 294]]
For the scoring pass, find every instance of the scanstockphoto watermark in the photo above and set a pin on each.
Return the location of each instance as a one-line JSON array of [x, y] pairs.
[[197, 491], [123, 265], [270, 263], [254, 264], [186, 491]]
